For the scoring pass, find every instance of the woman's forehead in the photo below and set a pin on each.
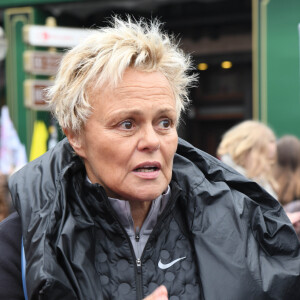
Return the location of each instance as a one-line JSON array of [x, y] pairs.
[[135, 85]]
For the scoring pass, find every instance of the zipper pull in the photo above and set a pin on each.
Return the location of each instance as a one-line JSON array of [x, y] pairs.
[[137, 234], [139, 265]]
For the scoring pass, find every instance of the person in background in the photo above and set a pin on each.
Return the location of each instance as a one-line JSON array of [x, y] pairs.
[[5, 203], [124, 209], [287, 174], [287, 169], [12, 151], [250, 148]]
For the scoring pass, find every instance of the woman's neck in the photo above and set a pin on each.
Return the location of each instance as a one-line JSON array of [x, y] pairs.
[[139, 211]]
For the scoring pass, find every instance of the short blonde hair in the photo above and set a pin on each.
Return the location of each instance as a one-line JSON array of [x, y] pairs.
[[247, 137], [102, 58]]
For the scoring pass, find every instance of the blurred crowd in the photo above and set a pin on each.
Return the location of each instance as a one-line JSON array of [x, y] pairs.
[[252, 149]]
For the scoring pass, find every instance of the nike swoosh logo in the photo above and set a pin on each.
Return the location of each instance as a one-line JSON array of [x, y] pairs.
[[166, 266]]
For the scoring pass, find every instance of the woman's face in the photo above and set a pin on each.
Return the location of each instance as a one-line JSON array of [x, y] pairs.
[[130, 139]]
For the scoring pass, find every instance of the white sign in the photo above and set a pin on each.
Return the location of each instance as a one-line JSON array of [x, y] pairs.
[[60, 37]]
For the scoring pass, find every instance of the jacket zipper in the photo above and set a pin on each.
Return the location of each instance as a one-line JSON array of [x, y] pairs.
[[139, 288]]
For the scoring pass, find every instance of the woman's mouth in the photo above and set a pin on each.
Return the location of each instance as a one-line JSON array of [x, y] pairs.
[[147, 170]]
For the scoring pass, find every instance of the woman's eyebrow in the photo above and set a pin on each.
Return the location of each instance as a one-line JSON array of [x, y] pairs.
[[125, 112], [138, 112]]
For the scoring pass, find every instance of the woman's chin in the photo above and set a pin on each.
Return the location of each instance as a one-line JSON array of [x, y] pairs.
[[145, 195]]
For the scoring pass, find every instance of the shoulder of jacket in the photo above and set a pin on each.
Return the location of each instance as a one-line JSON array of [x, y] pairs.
[[32, 186], [51, 163]]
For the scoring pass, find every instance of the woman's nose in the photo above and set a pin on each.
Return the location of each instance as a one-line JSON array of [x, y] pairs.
[[149, 139]]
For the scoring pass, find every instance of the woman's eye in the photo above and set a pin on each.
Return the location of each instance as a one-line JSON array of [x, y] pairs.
[[166, 123], [127, 125]]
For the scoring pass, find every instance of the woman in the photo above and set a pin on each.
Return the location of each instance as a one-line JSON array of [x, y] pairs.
[[250, 148], [121, 206], [287, 174], [287, 169]]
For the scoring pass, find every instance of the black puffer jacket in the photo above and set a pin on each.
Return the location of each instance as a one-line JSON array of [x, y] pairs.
[[233, 240]]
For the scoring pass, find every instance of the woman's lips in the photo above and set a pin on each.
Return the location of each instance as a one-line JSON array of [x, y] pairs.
[[147, 170]]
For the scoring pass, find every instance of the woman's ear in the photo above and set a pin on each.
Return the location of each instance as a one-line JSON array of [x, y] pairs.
[[75, 141]]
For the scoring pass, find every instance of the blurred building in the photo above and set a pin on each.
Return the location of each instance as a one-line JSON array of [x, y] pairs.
[[225, 37]]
